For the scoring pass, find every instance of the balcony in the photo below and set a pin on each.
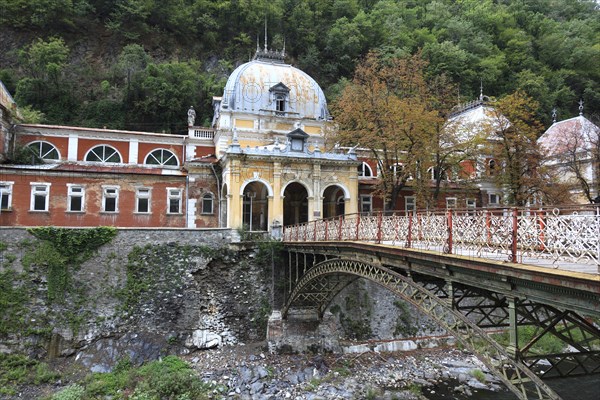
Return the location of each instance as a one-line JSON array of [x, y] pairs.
[[196, 132]]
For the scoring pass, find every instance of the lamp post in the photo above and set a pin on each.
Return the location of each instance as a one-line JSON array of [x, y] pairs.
[[250, 195]]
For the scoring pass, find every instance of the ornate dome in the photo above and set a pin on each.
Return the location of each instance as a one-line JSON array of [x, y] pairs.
[[266, 85]]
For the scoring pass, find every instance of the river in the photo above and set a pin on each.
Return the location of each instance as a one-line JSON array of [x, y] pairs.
[[574, 388]]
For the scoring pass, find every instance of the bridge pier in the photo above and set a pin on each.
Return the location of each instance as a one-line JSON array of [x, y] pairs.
[[302, 331]]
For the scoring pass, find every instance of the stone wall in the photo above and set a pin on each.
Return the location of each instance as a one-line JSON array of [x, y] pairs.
[[152, 292], [146, 293]]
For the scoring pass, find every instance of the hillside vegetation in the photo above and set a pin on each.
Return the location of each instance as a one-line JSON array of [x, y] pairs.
[[139, 64]]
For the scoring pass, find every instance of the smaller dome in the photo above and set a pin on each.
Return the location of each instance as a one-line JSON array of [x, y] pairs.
[[266, 85], [576, 133]]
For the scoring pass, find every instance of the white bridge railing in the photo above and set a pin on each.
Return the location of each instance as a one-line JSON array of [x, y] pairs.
[[519, 235]]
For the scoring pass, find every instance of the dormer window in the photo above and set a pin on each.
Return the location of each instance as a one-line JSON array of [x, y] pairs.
[[297, 139], [280, 94]]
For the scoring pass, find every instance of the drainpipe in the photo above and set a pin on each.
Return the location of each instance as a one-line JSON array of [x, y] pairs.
[[187, 189], [212, 167], [187, 179]]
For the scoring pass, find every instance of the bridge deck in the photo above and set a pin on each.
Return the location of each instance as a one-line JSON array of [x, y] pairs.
[[582, 266], [566, 240]]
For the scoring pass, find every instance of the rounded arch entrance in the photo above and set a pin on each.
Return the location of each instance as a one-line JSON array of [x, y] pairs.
[[255, 206], [334, 201], [295, 204]]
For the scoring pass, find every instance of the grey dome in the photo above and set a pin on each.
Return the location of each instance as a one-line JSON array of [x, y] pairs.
[[249, 89]]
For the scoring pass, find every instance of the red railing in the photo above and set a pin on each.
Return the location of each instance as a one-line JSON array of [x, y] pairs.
[[520, 235]]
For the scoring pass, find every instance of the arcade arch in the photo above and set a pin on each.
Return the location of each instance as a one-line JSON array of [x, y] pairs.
[[334, 201], [295, 204], [255, 206]]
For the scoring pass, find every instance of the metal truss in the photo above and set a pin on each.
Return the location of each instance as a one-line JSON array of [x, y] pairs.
[[579, 335], [311, 288], [486, 309]]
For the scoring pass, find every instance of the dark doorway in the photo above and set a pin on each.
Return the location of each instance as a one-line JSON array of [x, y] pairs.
[[334, 203], [256, 207], [295, 204]]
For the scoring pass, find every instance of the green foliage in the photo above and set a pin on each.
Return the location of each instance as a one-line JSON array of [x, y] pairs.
[[31, 116], [414, 388], [13, 302], [76, 245], [71, 392], [169, 378], [547, 344], [372, 393], [60, 250], [404, 325], [260, 318], [270, 252], [479, 375], [546, 48], [149, 267], [16, 369], [22, 155]]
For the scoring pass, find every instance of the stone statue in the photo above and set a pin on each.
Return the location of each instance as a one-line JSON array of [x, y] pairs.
[[191, 116]]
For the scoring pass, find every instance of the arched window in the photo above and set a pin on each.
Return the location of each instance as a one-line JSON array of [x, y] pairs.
[[207, 203], [492, 167], [280, 104], [365, 171], [435, 172], [44, 150], [103, 154], [398, 171], [280, 96], [162, 157]]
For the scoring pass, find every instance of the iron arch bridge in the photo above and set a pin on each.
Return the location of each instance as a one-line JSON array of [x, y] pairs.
[[463, 294]]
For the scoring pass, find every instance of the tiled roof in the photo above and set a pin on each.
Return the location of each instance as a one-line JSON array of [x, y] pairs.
[[576, 132]]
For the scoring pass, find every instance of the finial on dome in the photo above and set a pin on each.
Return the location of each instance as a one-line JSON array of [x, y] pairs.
[[554, 115], [266, 34], [580, 106], [481, 89]]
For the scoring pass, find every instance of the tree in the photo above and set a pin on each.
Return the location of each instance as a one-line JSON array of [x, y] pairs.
[[513, 131], [385, 108], [578, 152], [449, 146], [45, 88], [167, 91]]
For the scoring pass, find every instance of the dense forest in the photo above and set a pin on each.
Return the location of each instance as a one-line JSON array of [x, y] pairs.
[[139, 64]]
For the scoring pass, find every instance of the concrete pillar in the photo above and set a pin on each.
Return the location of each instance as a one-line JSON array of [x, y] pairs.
[[513, 340], [450, 290]]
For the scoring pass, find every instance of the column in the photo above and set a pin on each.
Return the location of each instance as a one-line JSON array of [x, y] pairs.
[[276, 203], [513, 340]]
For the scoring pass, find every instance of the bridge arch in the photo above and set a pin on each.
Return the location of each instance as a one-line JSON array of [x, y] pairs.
[[321, 283]]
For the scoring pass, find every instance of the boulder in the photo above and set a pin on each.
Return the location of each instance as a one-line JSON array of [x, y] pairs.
[[203, 339]]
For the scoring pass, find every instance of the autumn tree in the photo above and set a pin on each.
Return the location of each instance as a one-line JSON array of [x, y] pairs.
[[513, 133], [385, 109]]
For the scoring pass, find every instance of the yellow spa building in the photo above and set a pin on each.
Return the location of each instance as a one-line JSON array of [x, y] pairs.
[[269, 128]]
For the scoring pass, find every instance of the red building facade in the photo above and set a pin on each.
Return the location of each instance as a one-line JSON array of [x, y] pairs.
[[68, 176]]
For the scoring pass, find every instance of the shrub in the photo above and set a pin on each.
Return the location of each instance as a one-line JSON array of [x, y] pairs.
[[479, 375], [73, 392]]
